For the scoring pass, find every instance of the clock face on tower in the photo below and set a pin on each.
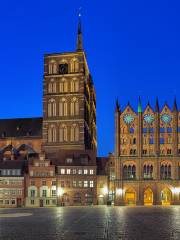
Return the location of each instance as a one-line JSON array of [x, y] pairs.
[[63, 68], [128, 118], [148, 118], [166, 118]]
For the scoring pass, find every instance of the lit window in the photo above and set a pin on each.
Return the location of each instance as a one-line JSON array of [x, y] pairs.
[[80, 183], [74, 183], [91, 184], [68, 171], [91, 171], [62, 171], [85, 171], [85, 183], [68, 160], [80, 171]]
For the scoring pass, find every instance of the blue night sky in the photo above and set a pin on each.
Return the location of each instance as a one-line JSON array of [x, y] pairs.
[[133, 48]]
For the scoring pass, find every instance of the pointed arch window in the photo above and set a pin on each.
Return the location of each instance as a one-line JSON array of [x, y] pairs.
[[63, 107], [52, 108], [63, 86], [52, 67], [63, 133], [74, 107], [52, 87], [74, 133], [52, 134], [74, 66], [165, 171], [74, 85], [148, 171], [129, 172]]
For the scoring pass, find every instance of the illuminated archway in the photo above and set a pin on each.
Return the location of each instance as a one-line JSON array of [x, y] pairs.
[[148, 197], [166, 196], [130, 197]]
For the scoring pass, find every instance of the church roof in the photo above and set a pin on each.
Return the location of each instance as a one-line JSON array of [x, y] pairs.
[[21, 127]]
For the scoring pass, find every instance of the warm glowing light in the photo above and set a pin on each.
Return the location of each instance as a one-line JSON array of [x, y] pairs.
[[60, 192], [105, 190], [119, 191], [176, 190]]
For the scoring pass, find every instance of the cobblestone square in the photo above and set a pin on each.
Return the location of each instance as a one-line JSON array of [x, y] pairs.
[[71, 223]]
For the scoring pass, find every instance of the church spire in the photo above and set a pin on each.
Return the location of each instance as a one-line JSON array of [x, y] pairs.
[[175, 105], [139, 106], [79, 46], [157, 105]]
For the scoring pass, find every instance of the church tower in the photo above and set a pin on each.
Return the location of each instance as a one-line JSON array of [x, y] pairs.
[[69, 101]]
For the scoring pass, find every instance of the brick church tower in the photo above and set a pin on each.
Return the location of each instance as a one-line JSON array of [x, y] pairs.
[[69, 101]]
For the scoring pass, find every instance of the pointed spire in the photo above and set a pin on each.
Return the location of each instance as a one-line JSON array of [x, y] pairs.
[[157, 105], [175, 105], [117, 106], [79, 46], [139, 106]]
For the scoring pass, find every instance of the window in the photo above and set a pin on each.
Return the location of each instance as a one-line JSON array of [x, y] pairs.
[[62, 184], [53, 193], [148, 171], [74, 86], [162, 130], [44, 193], [144, 130], [32, 193], [80, 183], [169, 151], [134, 140], [74, 66], [63, 107], [74, 171], [131, 130], [74, 133], [47, 202], [85, 171], [6, 202], [33, 183], [53, 183], [169, 130], [74, 183], [43, 183], [151, 141], [52, 134], [80, 171], [52, 67], [165, 171], [91, 171], [85, 183], [68, 171], [51, 108], [52, 87], [63, 86], [32, 202], [69, 160], [74, 107], [63, 135], [161, 140], [91, 184], [129, 172], [62, 171]]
